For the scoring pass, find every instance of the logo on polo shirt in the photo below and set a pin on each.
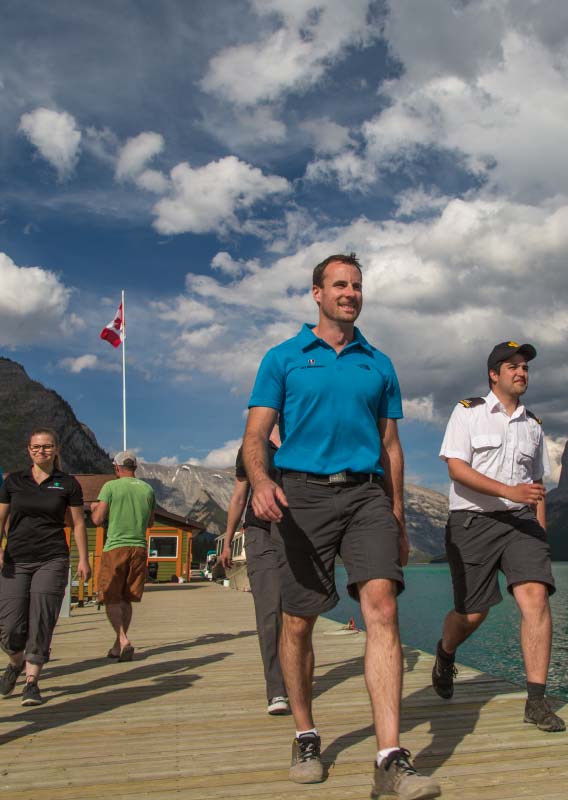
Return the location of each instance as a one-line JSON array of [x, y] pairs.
[[311, 364], [56, 485]]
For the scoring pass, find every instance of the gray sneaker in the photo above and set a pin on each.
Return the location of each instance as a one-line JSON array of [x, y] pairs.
[[443, 674], [278, 706], [398, 776], [9, 678], [306, 764], [31, 695], [540, 714]]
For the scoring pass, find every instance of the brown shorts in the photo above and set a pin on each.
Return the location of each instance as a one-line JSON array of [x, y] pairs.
[[122, 575]]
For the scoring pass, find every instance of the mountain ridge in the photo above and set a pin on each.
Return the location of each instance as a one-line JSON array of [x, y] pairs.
[[25, 405]]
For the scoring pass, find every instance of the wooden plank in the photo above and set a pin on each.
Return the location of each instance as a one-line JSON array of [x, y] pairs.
[[188, 715]]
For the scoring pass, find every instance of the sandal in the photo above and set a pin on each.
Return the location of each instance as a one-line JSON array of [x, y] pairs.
[[126, 653]]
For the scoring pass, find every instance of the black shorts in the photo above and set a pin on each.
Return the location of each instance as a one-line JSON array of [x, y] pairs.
[[322, 521], [479, 545]]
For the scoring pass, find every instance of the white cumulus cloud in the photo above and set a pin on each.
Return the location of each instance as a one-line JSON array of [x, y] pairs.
[[210, 198], [201, 338], [135, 154], [87, 361], [168, 461], [555, 447], [184, 311], [223, 262], [77, 365], [222, 457], [56, 137], [419, 408], [327, 136], [33, 304], [484, 83], [152, 180], [293, 53]]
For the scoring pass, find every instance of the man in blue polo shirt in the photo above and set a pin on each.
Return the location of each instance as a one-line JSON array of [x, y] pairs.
[[340, 491]]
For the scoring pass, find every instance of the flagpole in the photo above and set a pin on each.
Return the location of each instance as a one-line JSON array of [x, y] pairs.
[[123, 374]]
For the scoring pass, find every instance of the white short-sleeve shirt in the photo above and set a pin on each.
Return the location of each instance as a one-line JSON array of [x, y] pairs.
[[509, 449]]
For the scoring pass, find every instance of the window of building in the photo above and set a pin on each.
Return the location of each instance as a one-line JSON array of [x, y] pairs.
[[163, 547]]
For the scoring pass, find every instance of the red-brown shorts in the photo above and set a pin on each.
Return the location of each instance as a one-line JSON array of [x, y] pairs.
[[122, 575]]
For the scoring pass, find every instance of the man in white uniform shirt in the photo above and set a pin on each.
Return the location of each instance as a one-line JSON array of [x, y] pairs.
[[496, 457]]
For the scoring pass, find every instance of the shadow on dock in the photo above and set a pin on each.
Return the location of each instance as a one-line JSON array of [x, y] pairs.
[[144, 653], [450, 721], [158, 679]]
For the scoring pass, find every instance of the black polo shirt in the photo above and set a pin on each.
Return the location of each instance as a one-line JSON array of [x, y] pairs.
[[37, 514], [240, 472]]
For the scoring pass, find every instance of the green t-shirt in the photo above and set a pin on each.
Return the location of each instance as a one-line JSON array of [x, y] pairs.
[[130, 503]]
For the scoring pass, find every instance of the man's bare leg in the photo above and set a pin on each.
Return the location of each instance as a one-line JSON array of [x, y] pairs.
[[33, 671], [120, 617], [459, 627], [536, 629], [297, 663], [383, 658], [536, 642], [394, 773]]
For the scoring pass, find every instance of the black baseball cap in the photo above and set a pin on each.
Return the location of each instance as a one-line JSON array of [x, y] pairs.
[[502, 352]]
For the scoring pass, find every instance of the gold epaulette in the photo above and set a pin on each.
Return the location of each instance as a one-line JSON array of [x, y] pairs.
[[533, 416], [471, 402]]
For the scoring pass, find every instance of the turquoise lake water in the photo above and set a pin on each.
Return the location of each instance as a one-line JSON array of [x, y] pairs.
[[494, 647]]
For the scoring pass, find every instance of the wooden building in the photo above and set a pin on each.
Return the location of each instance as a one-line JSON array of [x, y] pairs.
[[169, 539]]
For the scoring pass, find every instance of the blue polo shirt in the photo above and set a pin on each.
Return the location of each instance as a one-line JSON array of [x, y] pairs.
[[329, 403]]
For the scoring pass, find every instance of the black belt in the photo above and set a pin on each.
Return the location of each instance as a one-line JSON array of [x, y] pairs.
[[335, 479]]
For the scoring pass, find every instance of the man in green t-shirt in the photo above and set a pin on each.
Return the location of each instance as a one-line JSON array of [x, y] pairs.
[[129, 505]]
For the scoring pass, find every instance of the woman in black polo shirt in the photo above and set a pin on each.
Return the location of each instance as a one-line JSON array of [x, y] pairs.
[[35, 563]]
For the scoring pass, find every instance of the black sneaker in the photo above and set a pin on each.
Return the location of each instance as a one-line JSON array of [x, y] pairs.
[[306, 764], [540, 714], [443, 674], [398, 776], [9, 678], [31, 695]]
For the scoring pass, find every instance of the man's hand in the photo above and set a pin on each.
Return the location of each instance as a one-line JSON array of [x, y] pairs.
[[267, 499], [226, 560], [526, 493], [84, 570], [93, 506]]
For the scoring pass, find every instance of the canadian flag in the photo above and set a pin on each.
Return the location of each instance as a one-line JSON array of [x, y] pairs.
[[114, 331]]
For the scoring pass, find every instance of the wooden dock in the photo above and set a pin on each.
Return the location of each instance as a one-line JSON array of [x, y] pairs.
[[186, 719]]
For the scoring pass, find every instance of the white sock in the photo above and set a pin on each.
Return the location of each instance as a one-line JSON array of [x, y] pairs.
[[382, 754], [311, 730]]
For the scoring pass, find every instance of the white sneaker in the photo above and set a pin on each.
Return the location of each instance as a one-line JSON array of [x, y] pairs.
[[278, 705]]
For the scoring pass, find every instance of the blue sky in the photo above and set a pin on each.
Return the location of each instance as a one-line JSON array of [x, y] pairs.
[[205, 156]]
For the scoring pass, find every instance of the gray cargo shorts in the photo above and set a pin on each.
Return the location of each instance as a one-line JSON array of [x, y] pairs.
[[322, 521], [478, 546]]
